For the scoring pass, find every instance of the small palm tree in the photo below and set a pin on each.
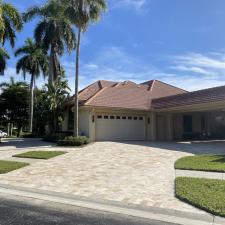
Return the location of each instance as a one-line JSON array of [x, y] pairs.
[[34, 61], [54, 31], [10, 22], [81, 13], [57, 94]]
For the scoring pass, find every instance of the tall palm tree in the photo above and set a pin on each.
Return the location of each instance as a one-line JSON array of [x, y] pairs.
[[81, 13], [55, 32], [3, 57], [10, 22], [34, 61]]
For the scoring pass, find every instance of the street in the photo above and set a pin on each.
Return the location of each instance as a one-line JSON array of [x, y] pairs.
[[24, 211]]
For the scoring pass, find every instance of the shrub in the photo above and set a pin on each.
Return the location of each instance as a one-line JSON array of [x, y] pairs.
[[54, 137], [29, 135], [73, 141]]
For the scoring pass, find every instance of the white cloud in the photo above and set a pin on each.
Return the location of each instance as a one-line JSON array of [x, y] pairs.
[[137, 5], [210, 63]]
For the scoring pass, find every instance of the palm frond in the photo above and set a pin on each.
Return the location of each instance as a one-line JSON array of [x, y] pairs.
[[11, 12]]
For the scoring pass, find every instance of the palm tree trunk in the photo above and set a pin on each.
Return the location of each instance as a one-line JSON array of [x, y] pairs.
[[76, 101], [31, 104], [51, 66]]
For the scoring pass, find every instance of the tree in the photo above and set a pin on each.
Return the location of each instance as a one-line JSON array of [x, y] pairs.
[[57, 93], [3, 57], [10, 22], [81, 13], [55, 32], [34, 61], [14, 103], [41, 111]]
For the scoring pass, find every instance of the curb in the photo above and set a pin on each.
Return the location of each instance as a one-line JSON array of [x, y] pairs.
[[153, 213]]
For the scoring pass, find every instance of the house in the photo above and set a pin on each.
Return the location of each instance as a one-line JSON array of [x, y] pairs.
[[121, 111]]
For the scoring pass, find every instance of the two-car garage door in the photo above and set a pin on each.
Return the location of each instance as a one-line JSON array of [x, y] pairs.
[[110, 127]]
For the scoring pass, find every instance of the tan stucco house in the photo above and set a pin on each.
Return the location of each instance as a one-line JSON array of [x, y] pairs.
[[122, 111]]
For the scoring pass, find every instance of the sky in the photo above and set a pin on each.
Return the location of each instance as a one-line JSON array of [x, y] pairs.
[[180, 42]]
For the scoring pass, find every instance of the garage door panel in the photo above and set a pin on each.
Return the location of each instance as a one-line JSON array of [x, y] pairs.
[[120, 129]]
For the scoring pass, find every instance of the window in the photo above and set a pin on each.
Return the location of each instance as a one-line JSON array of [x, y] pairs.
[[106, 117], [112, 117], [149, 120], [129, 118], [99, 117], [140, 118], [118, 117], [135, 118], [124, 117]]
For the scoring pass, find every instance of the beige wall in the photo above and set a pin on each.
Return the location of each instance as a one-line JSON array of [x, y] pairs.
[[151, 126], [84, 122]]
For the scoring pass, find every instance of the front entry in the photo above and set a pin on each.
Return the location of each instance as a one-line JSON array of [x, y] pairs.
[[161, 128]]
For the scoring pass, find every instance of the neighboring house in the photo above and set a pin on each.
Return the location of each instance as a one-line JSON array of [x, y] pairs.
[[122, 111]]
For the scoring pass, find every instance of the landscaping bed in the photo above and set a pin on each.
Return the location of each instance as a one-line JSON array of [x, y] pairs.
[[211, 163], [73, 141], [40, 154], [205, 194], [7, 166]]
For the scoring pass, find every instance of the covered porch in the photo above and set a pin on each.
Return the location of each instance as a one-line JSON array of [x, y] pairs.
[[196, 122]]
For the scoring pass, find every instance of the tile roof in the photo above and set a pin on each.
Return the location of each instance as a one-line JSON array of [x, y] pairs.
[[196, 97], [127, 94]]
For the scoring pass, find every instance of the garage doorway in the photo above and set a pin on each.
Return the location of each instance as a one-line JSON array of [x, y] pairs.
[[118, 127]]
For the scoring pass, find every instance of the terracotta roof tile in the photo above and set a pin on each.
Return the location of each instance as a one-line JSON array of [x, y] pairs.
[[196, 97], [130, 95]]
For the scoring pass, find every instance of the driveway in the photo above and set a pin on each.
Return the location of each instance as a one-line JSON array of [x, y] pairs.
[[135, 172]]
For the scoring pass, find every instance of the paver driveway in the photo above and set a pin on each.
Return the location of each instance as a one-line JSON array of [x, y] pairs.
[[135, 172]]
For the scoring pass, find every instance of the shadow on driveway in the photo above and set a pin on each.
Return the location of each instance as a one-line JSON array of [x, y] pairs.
[[194, 147], [24, 143]]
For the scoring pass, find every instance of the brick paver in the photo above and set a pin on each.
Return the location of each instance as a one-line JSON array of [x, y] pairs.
[[136, 172]]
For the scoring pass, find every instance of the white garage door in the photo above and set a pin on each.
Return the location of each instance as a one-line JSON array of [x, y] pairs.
[[111, 127]]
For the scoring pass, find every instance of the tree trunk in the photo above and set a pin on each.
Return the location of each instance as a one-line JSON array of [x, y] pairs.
[[31, 104], [51, 66], [76, 100]]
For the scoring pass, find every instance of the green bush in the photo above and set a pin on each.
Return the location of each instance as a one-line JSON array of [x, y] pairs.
[[73, 141], [54, 137], [29, 135]]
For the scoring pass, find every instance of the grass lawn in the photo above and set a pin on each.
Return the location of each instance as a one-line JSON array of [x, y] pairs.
[[212, 163], [7, 166], [205, 194], [40, 154]]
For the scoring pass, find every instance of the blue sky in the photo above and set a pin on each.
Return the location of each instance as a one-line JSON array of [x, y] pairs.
[[181, 42]]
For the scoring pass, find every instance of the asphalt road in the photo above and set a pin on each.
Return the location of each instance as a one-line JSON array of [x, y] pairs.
[[24, 211]]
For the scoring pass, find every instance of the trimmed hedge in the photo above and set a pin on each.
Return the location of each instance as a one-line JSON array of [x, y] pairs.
[[54, 137], [73, 141]]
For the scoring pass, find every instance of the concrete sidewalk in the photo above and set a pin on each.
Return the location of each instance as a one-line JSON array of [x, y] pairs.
[[199, 174], [164, 215]]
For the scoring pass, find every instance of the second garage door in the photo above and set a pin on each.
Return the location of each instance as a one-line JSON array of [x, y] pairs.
[[111, 127]]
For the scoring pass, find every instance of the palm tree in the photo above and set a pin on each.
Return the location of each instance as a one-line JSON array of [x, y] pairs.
[[3, 57], [10, 22], [55, 32], [57, 94], [81, 13], [34, 61]]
